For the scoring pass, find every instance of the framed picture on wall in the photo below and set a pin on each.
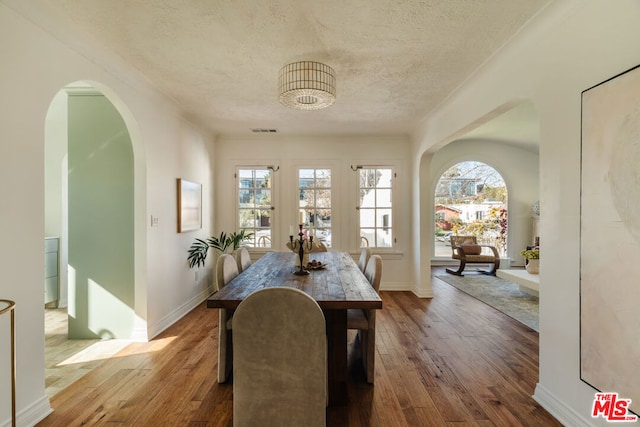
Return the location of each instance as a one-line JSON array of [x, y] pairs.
[[189, 205], [610, 237]]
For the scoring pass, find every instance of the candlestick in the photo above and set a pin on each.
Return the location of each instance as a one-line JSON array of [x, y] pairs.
[[301, 245]]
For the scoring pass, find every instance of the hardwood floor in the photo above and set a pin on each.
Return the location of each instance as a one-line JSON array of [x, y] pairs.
[[446, 361], [68, 360]]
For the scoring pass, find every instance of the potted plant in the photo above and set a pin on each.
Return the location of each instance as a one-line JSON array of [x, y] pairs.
[[532, 260], [200, 248]]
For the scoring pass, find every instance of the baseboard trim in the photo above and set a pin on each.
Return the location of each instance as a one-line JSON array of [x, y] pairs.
[[32, 414], [177, 314], [395, 286], [563, 413], [423, 293], [405, 287]]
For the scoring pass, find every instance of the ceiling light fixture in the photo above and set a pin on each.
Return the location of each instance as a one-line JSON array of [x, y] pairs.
[[307, 85]]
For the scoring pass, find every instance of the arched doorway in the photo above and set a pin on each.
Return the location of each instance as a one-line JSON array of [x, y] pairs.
[[470, 197], [90, 208], [505, 138]]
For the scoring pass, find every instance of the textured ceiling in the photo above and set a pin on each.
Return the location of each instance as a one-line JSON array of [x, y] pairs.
[[395, 60]]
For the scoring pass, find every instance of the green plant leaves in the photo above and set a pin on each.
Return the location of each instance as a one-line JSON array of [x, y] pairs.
[[531, 253], [200, 248], [198, 253]]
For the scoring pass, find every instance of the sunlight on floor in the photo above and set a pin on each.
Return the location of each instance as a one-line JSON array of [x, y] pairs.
[[98, 351], [66, 361], [109, 348]]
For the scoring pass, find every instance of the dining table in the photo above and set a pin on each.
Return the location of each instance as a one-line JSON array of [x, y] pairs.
[[337, 286]]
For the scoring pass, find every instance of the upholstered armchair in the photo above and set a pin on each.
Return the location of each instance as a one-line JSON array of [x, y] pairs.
[[466, 250]]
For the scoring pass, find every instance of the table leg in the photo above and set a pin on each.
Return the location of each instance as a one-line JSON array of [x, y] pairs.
[[337, 355]]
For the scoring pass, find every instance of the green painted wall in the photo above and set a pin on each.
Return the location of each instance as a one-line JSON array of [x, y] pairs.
[[101, 230]]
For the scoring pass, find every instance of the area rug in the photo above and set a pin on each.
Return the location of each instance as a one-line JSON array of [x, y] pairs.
[[500, 294]]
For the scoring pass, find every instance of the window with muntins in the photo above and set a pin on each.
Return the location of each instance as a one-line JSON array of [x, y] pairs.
[[314, 204], [255, 207], [376, 206]]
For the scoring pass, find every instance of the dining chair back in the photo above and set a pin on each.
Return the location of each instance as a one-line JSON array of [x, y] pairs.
[[226, 271], [279, 360], [365, 254], [264, 242], [243, 259], [365, 320], [373, 271], [318, 246]]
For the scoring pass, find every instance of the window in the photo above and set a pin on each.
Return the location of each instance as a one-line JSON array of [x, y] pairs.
[[474, 197], [375, 206], [314, 186], [254, 205]]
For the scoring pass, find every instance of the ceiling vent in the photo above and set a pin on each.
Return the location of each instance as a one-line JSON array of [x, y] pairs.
[[260, 130]]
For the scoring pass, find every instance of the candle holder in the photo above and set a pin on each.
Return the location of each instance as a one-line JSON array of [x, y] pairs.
[[301, 245]]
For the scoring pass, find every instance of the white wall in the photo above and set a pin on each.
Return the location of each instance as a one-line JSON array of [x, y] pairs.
[[36, 66], [570, 47], [340, 152]]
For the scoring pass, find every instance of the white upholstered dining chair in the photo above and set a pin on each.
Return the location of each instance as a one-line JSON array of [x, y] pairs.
[[243, 259], [365, 320], [365, 254], [318, 246], [279, 360], [226, 271]]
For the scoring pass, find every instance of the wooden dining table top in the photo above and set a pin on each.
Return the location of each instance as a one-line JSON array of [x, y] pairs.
[[340, 285]]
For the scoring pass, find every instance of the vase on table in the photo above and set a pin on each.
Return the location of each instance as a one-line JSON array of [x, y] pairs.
[[532, 266]]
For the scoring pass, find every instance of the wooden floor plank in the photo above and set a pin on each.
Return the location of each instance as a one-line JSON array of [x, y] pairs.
[[446, 361]]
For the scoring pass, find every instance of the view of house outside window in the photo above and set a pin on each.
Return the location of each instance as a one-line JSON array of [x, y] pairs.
[[471, 198], [255, 205], [314, 205], [375, 206]]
